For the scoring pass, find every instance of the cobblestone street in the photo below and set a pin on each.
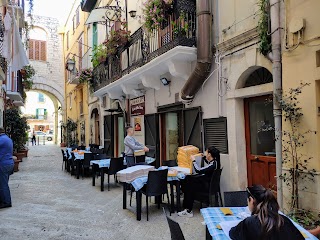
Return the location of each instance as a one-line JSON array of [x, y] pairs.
[[51, 204]]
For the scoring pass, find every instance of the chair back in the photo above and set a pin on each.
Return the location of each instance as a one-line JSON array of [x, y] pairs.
[[235, 199], [100, 150], [157, 182], [175, 230], [100, 156], [82, 147], [116, 165], [215, 181], [170, 163], [67, 153], [63, 156], [140, 159], [87, 158], [96, 146], [72, 156]]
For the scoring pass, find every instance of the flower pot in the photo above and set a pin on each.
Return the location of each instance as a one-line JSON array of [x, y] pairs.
[[19, 156], [16, 164], [25, 152]]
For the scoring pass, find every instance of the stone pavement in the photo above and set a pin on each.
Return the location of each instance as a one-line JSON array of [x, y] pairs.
[[51, 204]]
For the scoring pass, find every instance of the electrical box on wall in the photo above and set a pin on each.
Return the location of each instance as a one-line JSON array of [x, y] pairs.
[[296, 25]]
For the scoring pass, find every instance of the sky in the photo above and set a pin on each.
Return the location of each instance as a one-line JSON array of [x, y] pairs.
[[54, 8]]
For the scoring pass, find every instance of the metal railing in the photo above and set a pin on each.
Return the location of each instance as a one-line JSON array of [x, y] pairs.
[[178, 29]]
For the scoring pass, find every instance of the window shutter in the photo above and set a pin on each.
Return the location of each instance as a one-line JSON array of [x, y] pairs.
[[37, 113], [37, 50], [216, 133], [31, 49], [95, 34], [43, 51]]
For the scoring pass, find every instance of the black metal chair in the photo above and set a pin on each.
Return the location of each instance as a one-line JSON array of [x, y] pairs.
[[99, 156], [82, 147], [64, 160], [212, 196], [175, 230], [235, 199], [72, 163], [86, 163], [170, 163], [156, 186], [116, 165], [140, 159]]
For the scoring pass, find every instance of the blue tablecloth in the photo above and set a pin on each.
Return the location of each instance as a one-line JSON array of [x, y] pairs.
[[101, 163], [213, 216]]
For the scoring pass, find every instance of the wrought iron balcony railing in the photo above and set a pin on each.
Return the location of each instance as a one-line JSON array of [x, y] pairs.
[[144, 46]]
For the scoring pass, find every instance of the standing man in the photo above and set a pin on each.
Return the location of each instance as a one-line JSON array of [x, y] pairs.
[[6, 168], [131, 145], [34, 139]]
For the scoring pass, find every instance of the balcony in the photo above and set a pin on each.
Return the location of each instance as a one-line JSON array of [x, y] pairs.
[[14, 87], [147, 56], [88, 5], [86, 60]]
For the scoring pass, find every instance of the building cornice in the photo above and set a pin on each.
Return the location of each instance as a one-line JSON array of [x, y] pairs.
[[238, 40]]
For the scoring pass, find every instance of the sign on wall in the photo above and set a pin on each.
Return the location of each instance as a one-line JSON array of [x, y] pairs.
[[137, 106]]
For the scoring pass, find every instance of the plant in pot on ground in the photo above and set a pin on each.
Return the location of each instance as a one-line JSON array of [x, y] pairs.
[[297, 174]]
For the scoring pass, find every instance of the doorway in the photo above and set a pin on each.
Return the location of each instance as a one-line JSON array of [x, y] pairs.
[[260, 141], [170, 135]]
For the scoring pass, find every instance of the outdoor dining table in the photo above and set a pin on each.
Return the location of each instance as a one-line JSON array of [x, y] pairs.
[[79, 156], [213, 216], [105, 163], [139, 182]]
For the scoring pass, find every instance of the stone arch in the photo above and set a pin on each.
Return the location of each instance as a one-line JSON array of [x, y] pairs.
[[37, 35], [266, 76]]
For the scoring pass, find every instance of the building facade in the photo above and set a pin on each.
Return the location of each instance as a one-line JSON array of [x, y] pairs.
[[75, 48]]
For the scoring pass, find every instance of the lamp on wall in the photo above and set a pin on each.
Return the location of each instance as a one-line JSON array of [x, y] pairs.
[[133, 13], [165, 81], [71, 65]]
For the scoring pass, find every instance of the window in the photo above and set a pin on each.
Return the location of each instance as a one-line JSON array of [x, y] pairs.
[[37, 50], [77, 17], [41, 113], [94, 34], [68, 40], [41, 98], [216, 133]]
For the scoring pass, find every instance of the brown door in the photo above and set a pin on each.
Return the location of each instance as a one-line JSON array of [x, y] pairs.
[[260, 142]]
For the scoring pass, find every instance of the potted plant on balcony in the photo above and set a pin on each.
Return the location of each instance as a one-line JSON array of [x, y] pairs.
[[180, 27], [86, 77], [99, 54], [155, 13]]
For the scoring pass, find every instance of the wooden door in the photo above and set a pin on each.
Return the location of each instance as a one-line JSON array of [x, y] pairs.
[[109, 135], [260, 142]]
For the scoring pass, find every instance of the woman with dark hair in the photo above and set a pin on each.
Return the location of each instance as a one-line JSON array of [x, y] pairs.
[[200, 182], [265, 222]]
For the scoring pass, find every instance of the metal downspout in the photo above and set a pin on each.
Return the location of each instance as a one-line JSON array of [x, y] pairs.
[[277, 89], [204, 53]]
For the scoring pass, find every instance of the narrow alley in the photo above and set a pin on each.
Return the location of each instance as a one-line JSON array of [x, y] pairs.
[[48, 203]]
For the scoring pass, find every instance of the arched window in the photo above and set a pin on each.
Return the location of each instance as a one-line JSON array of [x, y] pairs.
[[38, 44], [259, 76]]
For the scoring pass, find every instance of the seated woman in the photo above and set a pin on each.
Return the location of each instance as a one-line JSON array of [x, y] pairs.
[[265, 221], [315, 231], [191, 184]]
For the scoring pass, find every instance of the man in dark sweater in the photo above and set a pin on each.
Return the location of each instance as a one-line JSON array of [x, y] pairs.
[[200, 183], [6, 168]]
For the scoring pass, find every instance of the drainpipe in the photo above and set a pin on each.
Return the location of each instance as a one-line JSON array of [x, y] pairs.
[[277, 88], [204, 53]]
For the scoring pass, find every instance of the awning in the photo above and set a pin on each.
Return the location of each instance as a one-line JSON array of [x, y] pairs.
[[97, 15]]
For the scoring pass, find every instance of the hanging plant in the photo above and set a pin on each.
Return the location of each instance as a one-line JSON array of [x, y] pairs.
[[154, 13], [99, 54], [28, 72], [265, 46], [180, 27]]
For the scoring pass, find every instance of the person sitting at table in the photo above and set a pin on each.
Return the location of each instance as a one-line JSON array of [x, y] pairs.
[[192, 184], [265, 221], [131, 145]]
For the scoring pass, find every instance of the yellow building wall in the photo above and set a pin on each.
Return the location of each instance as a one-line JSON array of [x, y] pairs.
[[300, 65], [75, 93]]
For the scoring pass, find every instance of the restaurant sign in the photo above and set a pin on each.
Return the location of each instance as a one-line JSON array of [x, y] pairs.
[[137, 106]]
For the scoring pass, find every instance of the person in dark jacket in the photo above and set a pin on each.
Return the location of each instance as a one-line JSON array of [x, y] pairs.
[[265, 223], [199, 182], [6, 168]]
